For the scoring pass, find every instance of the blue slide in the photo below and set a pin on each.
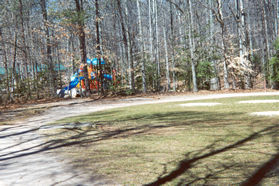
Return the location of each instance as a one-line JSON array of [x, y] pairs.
[[74, 82]]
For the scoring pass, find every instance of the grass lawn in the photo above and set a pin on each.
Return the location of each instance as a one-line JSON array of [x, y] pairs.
[[137, 145]]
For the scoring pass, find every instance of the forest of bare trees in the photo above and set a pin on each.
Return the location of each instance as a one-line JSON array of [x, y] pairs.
[[153, 45]]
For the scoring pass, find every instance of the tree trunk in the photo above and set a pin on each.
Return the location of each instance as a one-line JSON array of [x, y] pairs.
[[142, 49], [73, 53], [122, 55], [192, 48], [150, 31], [100, 36], [59, 65], [215, 85], [32, 59], [82, 41], [126, 41], [220, 19], [48, 47], [242, 41], [168, 85], [24, 50], [172, 45], [15, 75], [5, 66], [129, 51], [155, 7], [98, 48], [247, 75], [166, 57], [266, 41], [180, 29], [251, 52]]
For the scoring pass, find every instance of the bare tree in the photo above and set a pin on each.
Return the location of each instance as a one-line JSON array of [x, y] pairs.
[[129, 50], [166, 55], [220, 18], [48, 47], [98, 48], [142, 48], [82, 41], [157, 58], [24, 50], [5, 64], [192, 47]]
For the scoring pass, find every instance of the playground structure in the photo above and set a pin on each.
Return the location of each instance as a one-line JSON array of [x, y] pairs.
[[77, 82]]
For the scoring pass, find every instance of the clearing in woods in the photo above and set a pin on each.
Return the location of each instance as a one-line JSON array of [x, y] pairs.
[[142, 143]]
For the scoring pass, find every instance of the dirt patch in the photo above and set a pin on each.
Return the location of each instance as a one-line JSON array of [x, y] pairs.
[[27, 103], [13, 116]]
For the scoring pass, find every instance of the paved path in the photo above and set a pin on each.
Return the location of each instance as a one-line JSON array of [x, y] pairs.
[[26, 158]]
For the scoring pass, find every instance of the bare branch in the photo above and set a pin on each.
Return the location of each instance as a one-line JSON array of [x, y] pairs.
[[177, 6]]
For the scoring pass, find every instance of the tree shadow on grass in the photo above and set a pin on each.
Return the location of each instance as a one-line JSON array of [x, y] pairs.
[[84, 136], [188, 163]]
